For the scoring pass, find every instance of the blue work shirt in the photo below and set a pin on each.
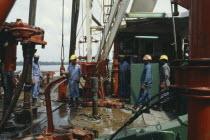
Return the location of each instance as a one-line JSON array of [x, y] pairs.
[[36, 70], [74, 72], [146, 76], [124, 67]]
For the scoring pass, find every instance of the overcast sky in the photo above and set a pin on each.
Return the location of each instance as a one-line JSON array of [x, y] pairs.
[[48, 17]]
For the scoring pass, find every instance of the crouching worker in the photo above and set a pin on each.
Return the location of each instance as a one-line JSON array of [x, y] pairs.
[[75, 72], [146, 83]]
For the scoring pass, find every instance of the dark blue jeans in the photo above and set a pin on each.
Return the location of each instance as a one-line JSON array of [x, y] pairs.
[[144, 95]]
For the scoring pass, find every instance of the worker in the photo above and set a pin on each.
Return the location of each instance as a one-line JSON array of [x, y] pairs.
[[145, 83], [75, 72], [164, 79], [124, 75], [36, 75]]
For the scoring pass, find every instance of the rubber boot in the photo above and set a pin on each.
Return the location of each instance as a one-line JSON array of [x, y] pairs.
[[77, 100], [134, 108], [70, 101], [148, 110], [34, 102]]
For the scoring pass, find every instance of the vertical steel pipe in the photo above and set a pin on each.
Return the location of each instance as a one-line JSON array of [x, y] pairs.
[[95, 95], [32, 12], [192, 79]]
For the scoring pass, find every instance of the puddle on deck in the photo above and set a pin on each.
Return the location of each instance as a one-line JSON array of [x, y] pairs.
[[110, 120]]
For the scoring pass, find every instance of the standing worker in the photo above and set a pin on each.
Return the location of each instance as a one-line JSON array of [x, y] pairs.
[[124, 75], [36, 75], [75, 72], [164, 79], [146, 83]]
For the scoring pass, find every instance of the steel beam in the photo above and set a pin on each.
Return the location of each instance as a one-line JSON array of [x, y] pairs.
[[88, 29], [32, 12], [107, 28], [113, 32]]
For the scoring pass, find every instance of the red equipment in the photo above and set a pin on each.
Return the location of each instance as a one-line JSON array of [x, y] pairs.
[[5, 7], [193, 80], [62, 87], [57, 134]]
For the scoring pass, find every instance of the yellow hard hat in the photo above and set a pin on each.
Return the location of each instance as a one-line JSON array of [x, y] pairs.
[[73, 57], [122, 56], [147, 57], [164, 57]]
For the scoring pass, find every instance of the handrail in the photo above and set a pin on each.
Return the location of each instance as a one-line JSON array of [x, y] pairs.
[[50, 128]]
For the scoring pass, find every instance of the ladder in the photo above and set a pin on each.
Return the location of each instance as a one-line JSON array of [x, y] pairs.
[[117, 13], [107, 5]]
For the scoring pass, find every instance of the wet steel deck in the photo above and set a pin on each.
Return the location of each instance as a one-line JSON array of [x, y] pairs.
[[79, 117]]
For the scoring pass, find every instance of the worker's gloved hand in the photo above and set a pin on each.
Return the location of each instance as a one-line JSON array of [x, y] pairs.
[[42, 79], [163, 85], [143, 87], [32, 82], [62, 71]]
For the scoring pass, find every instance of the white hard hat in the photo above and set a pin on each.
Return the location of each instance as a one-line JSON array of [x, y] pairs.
[[36, 56], [147, 57]]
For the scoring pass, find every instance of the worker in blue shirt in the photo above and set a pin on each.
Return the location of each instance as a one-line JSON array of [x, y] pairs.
[[36, 75], [124, 75], [145, 83], [75, 72]]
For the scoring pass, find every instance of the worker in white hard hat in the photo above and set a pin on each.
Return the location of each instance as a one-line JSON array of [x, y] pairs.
[[124, 75], [145, 83], [164, 79], [75, 72], [36, 75]]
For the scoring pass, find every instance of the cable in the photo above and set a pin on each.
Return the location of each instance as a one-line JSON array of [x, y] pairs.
[[81, 26], [141, 111], [83, 31], [62, 44], [174, 28]]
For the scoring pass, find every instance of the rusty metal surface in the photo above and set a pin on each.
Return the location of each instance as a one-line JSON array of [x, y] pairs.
[[50, 128], [63, 86], [115, 77], [112, 103], [5, 7], [183, 3], [88, 71], [24, 33], [192, 76]]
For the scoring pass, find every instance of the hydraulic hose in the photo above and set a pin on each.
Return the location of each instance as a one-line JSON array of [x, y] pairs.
[[4, 83], [141, 111], [16, 94]]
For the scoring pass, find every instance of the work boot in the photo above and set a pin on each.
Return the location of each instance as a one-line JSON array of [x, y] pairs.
[[70, 101], [134, 108], [34, 102], [147, 111], [160, 107], [77, 100]]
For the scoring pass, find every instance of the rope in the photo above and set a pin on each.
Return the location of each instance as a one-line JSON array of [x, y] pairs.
[[62, 45], [174, 28]]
